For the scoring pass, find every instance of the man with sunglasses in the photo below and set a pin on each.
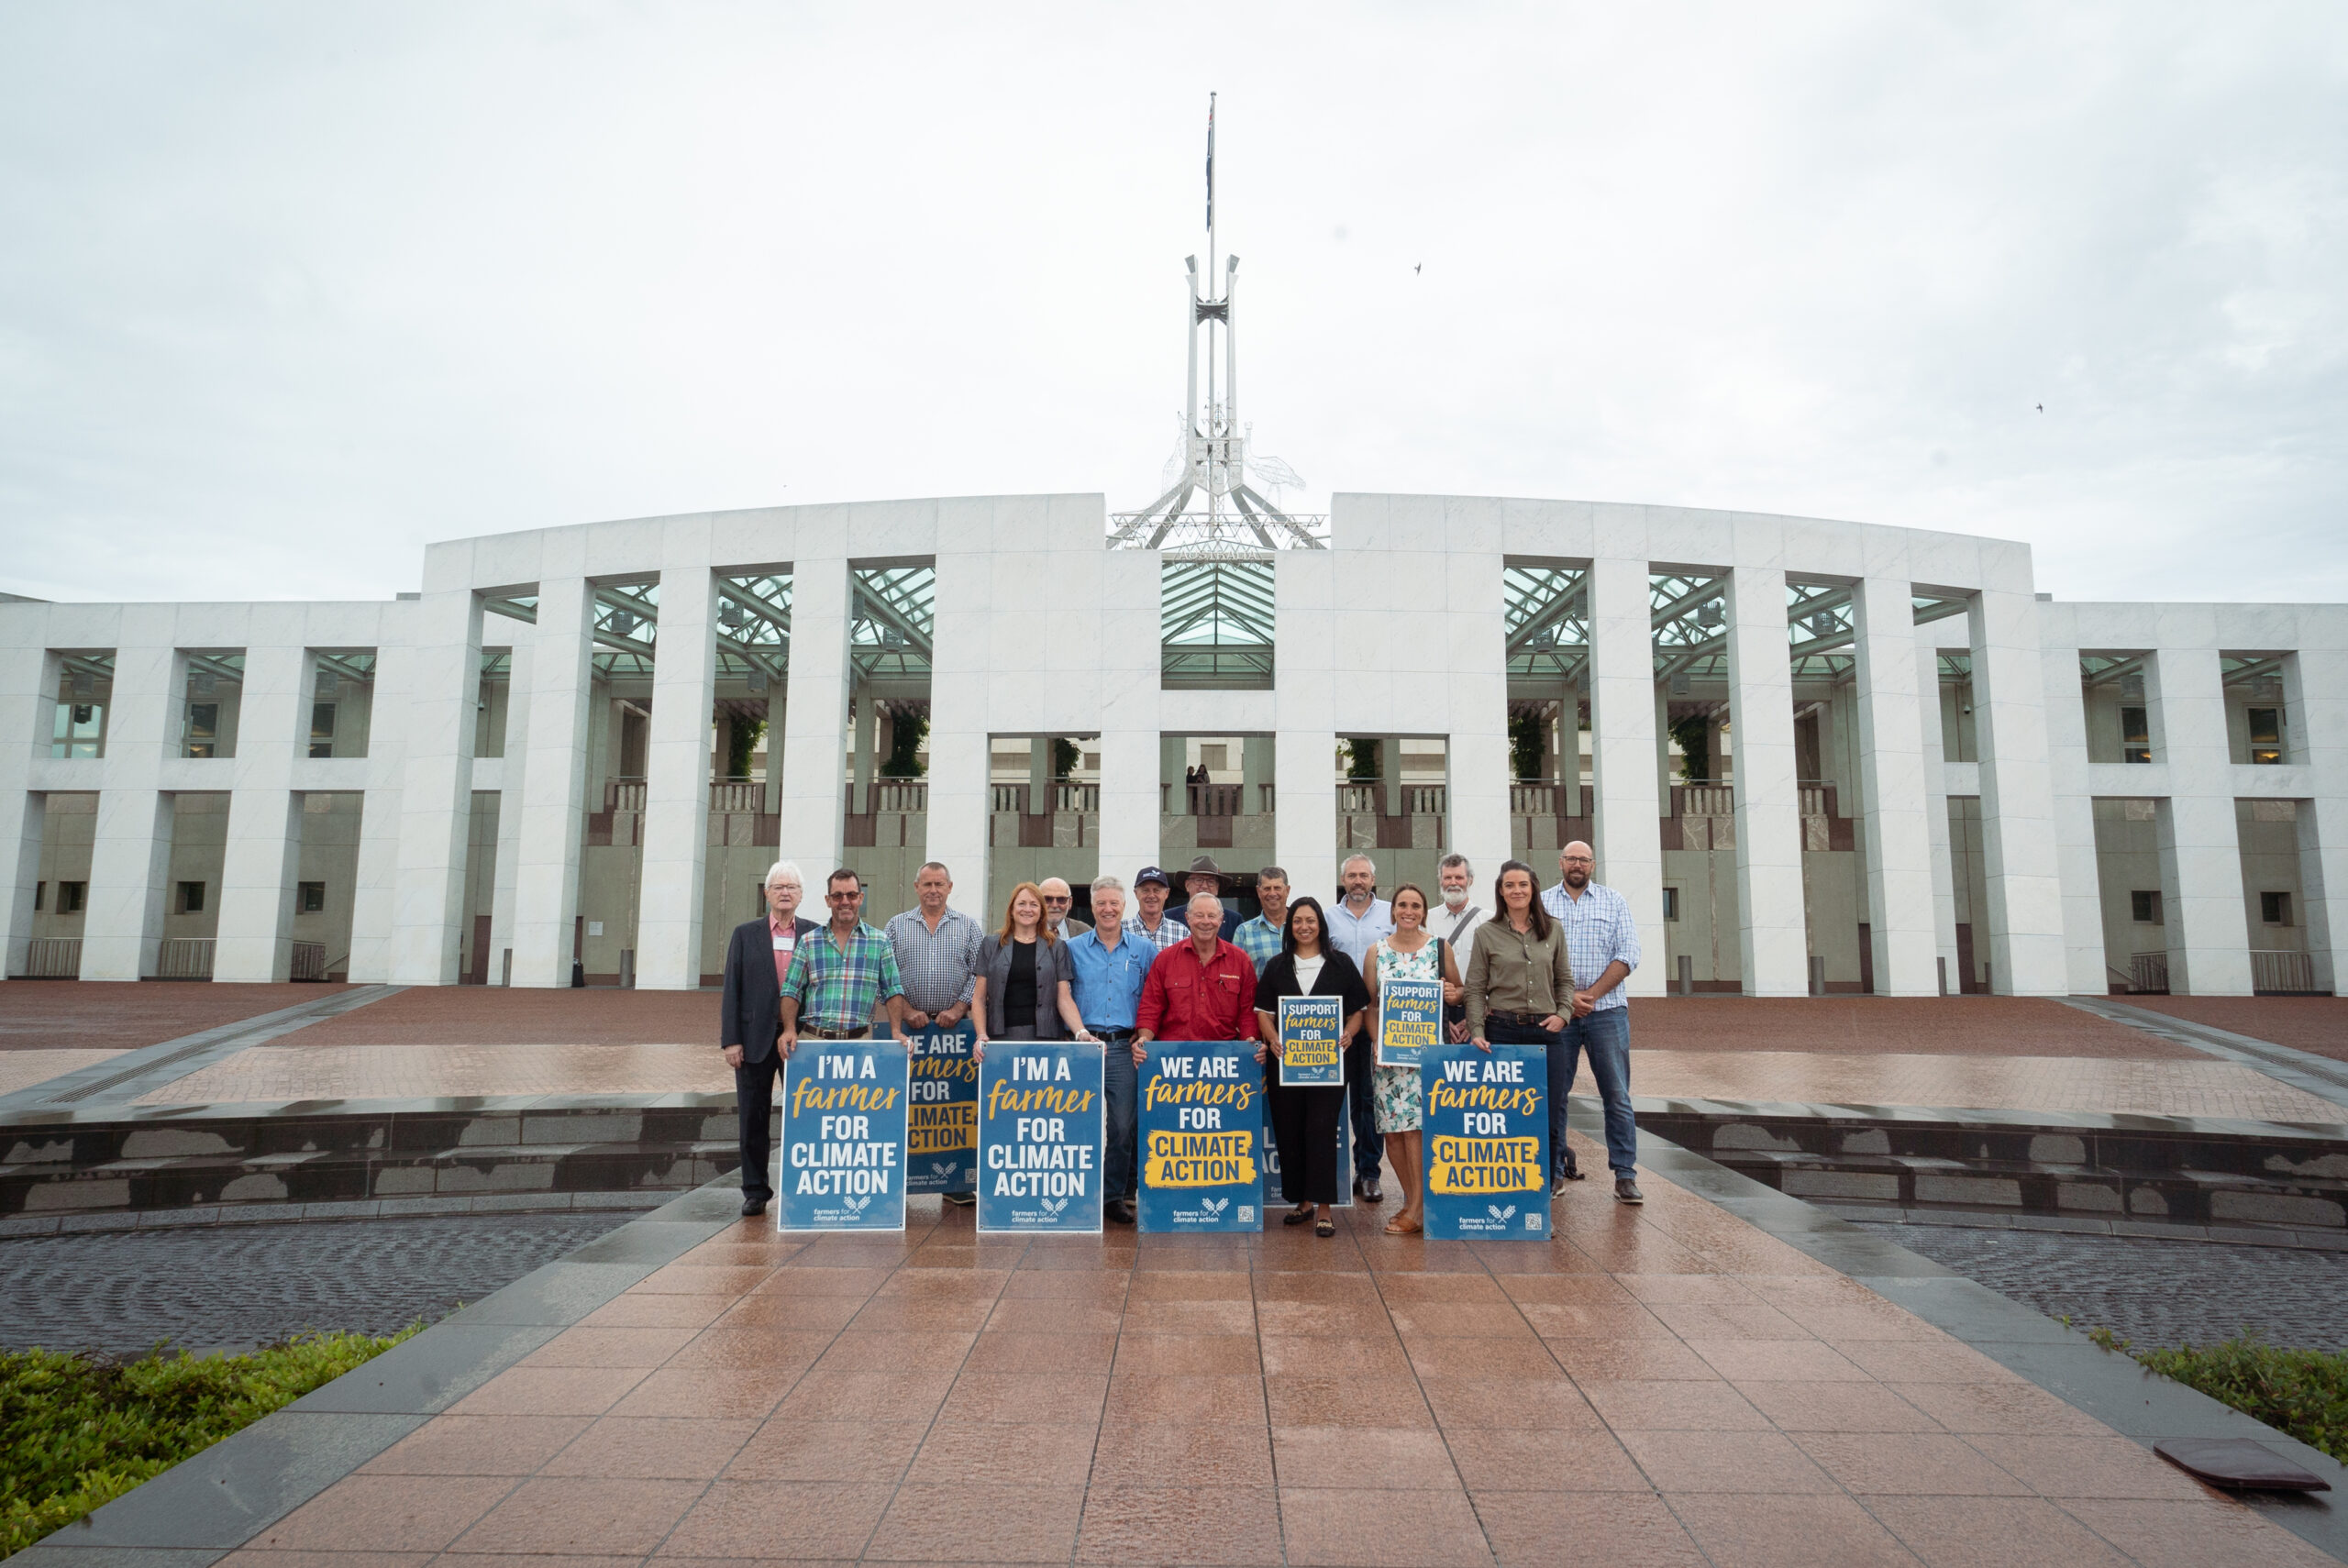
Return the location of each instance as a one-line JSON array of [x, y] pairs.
[[841, 975], [1059, 900]]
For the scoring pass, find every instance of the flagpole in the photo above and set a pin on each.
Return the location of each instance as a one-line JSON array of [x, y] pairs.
[[1212, 507]]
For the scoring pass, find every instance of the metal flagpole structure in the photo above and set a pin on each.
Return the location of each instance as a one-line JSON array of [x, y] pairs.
[[1212, 450]]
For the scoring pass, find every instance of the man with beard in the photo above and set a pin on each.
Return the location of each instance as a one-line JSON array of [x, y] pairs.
[[1602, 941]]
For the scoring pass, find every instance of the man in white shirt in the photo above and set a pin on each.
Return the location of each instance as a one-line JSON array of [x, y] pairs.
[[1456, 920], [1356, 920]]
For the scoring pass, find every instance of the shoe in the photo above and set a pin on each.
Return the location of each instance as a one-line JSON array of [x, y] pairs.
[[1297, 1216], [1627, 1191], [753, 1206], [1325, 1228], [962, 1199], [1404, 1225], [1558, 1188], [1367, 1191], [1121, 1209]]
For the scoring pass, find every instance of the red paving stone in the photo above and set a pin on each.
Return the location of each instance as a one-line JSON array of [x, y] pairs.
[[2306, 1023], [494, 1015], [1771, 1411], [52, 1015], [1939, 1026]]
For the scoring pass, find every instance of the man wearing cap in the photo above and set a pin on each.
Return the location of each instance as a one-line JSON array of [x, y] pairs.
[[1206, 876], [1152, 924]]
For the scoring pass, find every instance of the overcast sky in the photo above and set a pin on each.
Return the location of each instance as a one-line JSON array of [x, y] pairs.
[[288, 290]]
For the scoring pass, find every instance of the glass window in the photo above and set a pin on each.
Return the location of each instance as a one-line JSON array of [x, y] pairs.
[[203, 729], [314, 897], [2135, 735], [69, 896], [40, 896], [2267, 734], [2146, 907], [1671, 903], [190, 898], [2274, 909], [321, 729]]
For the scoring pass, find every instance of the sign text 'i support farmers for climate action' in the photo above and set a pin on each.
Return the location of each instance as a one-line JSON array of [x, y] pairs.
[[1201, 1124], [1486, 1123], [1039, 1136], [1312, 1053], [1410, 1019], [844, 1137]]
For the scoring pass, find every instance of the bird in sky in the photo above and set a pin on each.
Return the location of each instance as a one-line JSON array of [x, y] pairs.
[[1415, 268], [2041, 408]]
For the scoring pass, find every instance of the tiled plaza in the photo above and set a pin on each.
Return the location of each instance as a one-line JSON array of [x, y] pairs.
[[1666, 1384]]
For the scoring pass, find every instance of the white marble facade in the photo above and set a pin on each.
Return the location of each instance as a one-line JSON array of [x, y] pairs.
[[1039, 628]]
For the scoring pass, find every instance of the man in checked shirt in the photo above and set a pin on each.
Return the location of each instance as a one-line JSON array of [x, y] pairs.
[[1603, 942], [938, 953]]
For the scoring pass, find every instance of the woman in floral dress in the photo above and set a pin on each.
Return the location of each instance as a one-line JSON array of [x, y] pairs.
[[1411, 952]]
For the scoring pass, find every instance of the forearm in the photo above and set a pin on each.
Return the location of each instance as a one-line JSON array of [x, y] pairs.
[[978, 1000], [1616, 973]]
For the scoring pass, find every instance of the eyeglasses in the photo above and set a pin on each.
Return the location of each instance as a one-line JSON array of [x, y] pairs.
[[1053, 899], [842, 897], [1579, 860]]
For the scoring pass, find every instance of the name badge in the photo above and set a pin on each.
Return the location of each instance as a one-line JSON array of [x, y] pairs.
[[783, 944]]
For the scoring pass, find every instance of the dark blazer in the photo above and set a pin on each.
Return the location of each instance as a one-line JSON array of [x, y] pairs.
[[750, 1013], [1051, 967], [1339, 977]]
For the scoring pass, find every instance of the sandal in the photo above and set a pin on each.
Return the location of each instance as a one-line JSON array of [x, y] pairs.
[[1401, 1225], [1325, 1228]]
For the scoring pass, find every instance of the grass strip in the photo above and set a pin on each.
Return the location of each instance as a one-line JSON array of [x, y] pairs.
[[77, 1431], [2303, 1393]]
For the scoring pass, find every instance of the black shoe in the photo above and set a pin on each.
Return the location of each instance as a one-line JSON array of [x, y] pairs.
[[1627, 1191], [1366, 1189], [752, 1207], [1121, 1209], [1297, 1216], [1558, 1186], [962, 1199]]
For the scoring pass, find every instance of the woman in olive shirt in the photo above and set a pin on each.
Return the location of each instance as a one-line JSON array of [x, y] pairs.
[[1305, 1120], [1520, 981]]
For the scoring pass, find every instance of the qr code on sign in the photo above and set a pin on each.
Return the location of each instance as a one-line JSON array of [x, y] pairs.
[[1247, 1213], [1533, 1221]]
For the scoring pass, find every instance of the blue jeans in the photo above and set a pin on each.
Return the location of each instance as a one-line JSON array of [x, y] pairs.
[[1606, 1035], [1369, 1147], [1120, 1087]]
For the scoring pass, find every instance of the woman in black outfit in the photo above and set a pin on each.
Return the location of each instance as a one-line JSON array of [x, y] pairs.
[[1304, 1120]]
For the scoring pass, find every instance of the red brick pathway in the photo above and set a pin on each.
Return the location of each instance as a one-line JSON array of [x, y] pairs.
[[1951, 1026], [494, 1015], [52, 1015], [1658, 1386], [2307, 1023]]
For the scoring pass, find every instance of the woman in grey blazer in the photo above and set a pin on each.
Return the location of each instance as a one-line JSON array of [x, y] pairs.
[[1020, 969]]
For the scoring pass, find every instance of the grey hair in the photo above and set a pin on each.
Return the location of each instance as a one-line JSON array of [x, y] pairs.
[[1365, 860], [1107, 884], [1453, 858], [782, 868], [1209, 898], [932, 866]]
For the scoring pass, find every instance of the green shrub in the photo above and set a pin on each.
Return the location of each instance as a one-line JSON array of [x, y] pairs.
[[78, 1431], [2301, 1392]]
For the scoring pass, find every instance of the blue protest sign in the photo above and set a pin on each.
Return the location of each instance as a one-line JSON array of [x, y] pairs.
[[1485, 1124], [1202, 1126], [844, 1136], [1410, 1019], [1312, 1056], [1040, 1136], [942, 1132]]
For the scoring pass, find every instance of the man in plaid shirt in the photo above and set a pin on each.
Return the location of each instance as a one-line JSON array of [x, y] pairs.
[[1602, 946], [840, 975]]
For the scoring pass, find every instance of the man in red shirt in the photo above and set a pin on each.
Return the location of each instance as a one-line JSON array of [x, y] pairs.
[[1201, 989]]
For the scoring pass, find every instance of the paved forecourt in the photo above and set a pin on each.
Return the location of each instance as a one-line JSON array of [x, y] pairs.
[[1663, 1384]]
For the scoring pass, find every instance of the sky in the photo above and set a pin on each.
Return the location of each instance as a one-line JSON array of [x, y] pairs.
[[288, 291]]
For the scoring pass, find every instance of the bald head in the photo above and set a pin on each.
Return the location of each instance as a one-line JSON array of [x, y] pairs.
[[1576, 861]]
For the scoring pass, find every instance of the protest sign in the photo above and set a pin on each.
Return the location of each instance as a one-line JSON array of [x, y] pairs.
[[1485, 1124], [1410, 1019], [1312, 1056], [942, 1132], [844, 1136], [1202, 1125], [1040, 1112]]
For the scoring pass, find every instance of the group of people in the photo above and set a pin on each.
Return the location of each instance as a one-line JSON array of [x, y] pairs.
[[1537, 967]]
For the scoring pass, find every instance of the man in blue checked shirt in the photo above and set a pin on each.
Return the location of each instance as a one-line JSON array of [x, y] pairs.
[[1110, 964], [1603, 942]]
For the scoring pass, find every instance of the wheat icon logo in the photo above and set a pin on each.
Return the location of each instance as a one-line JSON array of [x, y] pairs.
[[1215, 1206], [856, 1205], [1497, 1212], [1055, 1205], [942, 1167]]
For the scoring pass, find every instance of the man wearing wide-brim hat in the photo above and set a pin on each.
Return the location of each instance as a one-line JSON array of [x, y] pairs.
[[1206, 876]]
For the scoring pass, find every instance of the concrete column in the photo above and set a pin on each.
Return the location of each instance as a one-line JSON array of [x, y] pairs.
[[1256, 768], [1304, 833], [816, 715], [256, 932], [554, 783], [677, 770], [1476, 793], [1390, 774], [1773, 939], [28, 677], [2315, 697], [435, 796], [2083, 960], [131, 853], [1623, 740], [1040, 772], [958, 797], [1129, 714], [1892, 794], [2021, 856], [1942, 851], [2200, 844], [372, 905], [514, 766]]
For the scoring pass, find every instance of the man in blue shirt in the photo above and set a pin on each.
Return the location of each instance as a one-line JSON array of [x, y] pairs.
[[1260, 938], [1110, 964], [1602, 946]]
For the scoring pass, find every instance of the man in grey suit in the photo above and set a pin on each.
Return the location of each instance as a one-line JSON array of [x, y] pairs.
[[750, 1017]]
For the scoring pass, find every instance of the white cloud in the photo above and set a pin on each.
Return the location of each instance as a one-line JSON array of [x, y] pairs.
[[290, 290]]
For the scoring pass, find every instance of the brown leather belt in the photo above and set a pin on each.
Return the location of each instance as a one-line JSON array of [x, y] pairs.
[[837, 1033]]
